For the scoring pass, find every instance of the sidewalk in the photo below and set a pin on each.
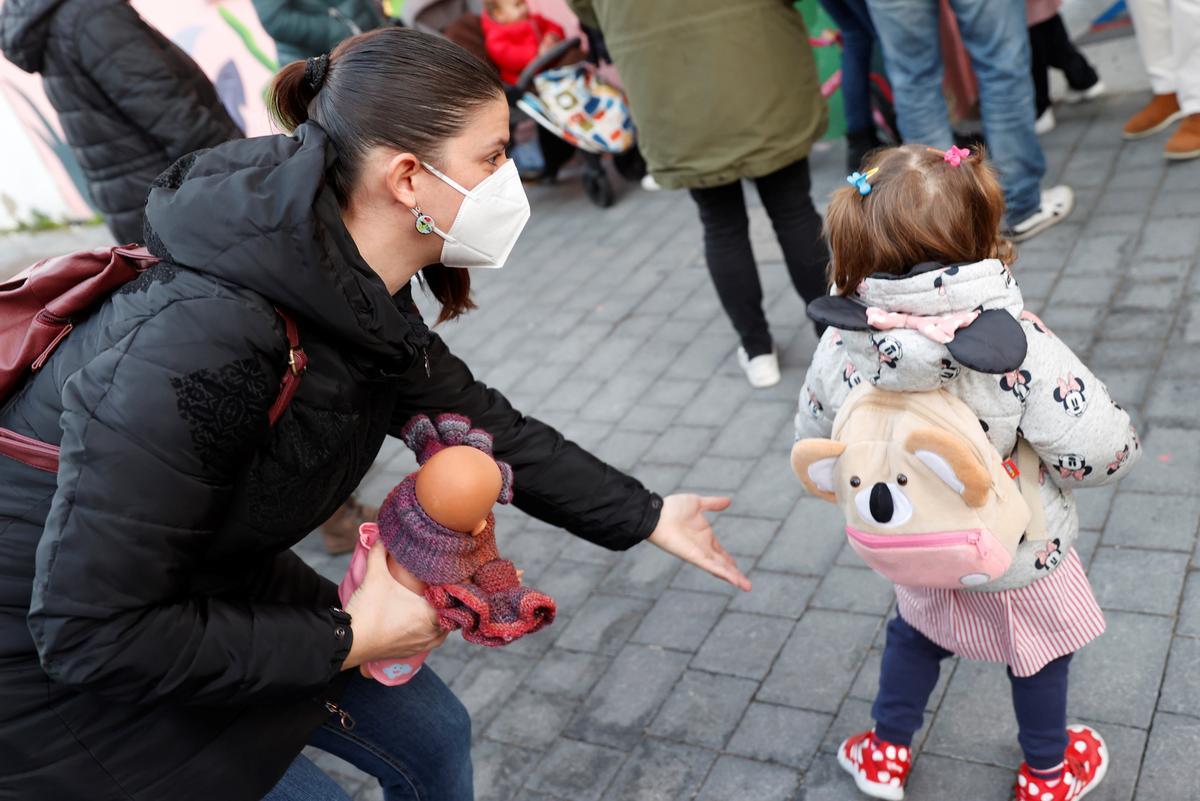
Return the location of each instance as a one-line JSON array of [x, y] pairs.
[[656, 682]]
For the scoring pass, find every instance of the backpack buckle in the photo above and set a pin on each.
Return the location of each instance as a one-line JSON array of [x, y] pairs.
[[1010, 467]]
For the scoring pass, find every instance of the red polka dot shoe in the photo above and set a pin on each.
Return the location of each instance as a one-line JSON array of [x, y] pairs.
[[879, 768], [1084, 765]]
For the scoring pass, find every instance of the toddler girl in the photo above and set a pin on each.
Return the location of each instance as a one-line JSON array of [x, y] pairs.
[[514, 37], [919, 235]]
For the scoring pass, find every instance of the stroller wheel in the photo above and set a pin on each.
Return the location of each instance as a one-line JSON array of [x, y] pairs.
[[598, 188]]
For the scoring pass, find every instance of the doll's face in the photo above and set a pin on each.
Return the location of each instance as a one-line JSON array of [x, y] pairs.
[[458, 486]]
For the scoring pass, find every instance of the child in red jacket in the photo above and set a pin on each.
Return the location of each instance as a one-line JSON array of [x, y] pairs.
[[514, 37]]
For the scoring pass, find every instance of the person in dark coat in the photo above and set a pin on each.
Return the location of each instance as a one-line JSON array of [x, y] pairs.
[[158, 639], [306, 28], [130, 102]]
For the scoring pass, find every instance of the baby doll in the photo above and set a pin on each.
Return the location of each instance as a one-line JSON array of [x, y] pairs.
[[439, 531], [514, 36]]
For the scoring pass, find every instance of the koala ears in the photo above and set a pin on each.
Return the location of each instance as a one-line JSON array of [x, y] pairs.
[[952, 460], [813, 462]]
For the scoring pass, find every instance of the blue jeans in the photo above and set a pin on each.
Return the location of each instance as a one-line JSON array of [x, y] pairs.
[[996, 37], [911, 663], [858, 45], [415, 738]]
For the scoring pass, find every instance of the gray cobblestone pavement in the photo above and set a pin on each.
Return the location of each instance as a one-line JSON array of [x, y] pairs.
[[656, 682]]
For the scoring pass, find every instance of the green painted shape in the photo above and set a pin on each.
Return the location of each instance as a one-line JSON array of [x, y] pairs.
[[61, 150], [247, 38], [829, 61]]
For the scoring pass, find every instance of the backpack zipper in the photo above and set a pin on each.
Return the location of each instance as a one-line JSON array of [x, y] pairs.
[[970, 537]]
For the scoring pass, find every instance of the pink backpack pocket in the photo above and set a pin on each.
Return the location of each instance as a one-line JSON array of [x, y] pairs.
[[951, 560]]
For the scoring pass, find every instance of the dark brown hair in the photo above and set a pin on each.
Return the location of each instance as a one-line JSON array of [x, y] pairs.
[[920, 209], [395, 87]]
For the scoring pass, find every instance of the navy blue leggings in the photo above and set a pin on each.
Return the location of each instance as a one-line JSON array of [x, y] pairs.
[[911, 662]]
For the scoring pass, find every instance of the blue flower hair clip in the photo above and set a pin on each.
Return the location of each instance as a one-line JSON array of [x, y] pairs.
[[859, 180]]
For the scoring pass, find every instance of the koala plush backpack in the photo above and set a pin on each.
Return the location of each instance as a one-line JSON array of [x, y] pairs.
[[927, 499]]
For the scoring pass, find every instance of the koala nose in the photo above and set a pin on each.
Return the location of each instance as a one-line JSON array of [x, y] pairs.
[[881, 503]]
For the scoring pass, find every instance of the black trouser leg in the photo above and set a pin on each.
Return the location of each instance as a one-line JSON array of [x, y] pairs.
[[731, 263], [1062, 54], [1039, 44], [785, 194]]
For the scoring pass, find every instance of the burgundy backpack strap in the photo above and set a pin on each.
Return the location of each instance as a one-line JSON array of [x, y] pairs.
[[297, 364]]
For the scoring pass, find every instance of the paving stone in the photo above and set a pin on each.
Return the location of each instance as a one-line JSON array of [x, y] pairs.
[[780, 734], [721, 399], [603, 624], [819, 662], [500, 770], [1174, 400], [487, 681], [1173, 743], [718, 473], [755, 428], [743, 645], [1170, 238], [1189, 610], [625, 701], [744, 536], [1115, 679], [826, 780], [1154, 521], [616, 398], [531, 720], [648, 418], [680, 444], [1075, 290], [658, 771], [732, 777], [809, 540], [780, 594], [576, 770], [855, 589], [569, 583], [662, 478], [642, 572], [937, 777], [1134, 580], [704, 709], [1099, 255], [1181, 687], [673, 391], [978, 691], [854, 717], [681, 620], [623, 449], [771, 490], [1170, 463], [571, 674], [697, 580]]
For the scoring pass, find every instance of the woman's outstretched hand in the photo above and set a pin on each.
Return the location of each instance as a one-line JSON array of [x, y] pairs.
[[389, 620], [684, 531]]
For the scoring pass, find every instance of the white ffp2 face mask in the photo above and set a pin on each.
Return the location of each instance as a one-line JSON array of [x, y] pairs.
[[489, 221]]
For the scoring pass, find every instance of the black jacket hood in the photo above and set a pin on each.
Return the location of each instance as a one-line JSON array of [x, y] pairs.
[[24, 26], [258, 213]]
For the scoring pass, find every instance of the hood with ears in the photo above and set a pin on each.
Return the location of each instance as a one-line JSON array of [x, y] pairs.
[[898, 355]]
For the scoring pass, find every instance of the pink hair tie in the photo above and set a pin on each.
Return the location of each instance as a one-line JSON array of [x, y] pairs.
[[955, 155]]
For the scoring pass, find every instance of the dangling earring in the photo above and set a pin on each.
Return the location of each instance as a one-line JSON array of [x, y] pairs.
[[424, 222]]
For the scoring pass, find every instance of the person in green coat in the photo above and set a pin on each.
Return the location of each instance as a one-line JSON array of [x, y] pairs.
[[306, 28], [723, 90]]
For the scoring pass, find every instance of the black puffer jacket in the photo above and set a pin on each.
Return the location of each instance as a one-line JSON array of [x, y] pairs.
[[184, 650], [130, 102]]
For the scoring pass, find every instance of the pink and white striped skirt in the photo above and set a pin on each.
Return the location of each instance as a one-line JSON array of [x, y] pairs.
[[1024, 628]]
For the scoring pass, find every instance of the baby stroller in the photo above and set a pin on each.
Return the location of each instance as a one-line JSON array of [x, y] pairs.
[[575, 109]]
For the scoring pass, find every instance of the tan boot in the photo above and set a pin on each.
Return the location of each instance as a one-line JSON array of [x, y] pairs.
[[340, 532], [1185, 142], [1160, 112]]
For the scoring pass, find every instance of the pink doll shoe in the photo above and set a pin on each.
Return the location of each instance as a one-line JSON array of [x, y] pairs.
[[390, 671]]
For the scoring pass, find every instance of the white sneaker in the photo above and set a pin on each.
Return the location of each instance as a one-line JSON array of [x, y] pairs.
[[1045, 123], [761, 371], [1091, 93], [649, 184], [1057, 202]]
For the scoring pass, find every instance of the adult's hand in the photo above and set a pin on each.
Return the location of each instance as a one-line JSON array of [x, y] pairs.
[[390, 621], [684, 531]]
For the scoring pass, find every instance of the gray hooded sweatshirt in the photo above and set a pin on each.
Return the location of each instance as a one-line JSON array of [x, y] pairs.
[[1052, 400]]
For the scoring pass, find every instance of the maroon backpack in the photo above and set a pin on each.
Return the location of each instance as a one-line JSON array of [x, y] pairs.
[[39, 307]]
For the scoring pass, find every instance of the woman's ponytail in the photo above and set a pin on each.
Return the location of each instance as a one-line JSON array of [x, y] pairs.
[[291, 92]]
